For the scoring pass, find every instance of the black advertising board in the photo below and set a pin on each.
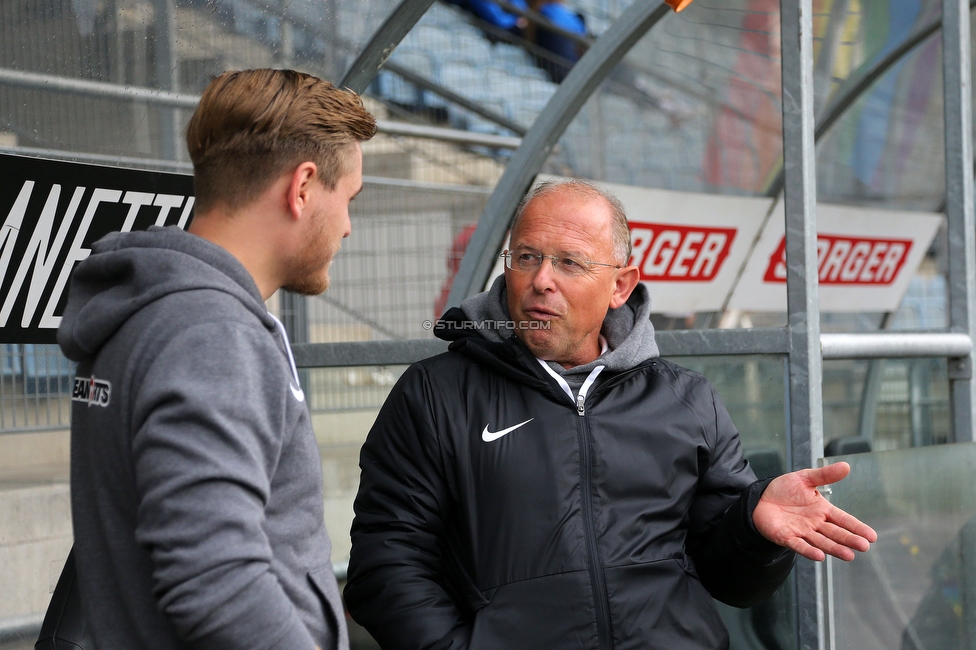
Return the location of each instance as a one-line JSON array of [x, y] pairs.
[[50, 214]]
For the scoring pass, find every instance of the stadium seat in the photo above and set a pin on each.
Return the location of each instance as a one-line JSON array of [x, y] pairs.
[[464, 79]]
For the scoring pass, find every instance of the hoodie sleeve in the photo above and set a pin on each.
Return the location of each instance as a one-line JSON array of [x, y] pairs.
[[398, 532], [207, 439], [734, 561]]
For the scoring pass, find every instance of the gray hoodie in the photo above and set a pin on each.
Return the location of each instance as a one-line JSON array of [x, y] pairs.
[[196, 481]]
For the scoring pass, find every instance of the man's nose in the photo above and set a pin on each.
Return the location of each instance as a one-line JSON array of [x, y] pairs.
[[545, 276]]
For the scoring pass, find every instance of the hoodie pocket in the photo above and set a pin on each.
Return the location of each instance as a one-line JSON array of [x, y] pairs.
[[324, 584]]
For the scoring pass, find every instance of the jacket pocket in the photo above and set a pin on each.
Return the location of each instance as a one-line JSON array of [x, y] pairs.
[[687, 565], [537, 614], [660, 605]]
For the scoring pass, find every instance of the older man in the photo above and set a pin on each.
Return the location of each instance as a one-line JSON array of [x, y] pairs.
[[553, 483], [196, 482]]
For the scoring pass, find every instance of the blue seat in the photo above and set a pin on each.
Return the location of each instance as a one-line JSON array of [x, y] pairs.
[[395, 88], [500, 84], [535, 90], [440, 15], [521, 113], [464, 79], [512, 57], [472, 48], [436, 40]]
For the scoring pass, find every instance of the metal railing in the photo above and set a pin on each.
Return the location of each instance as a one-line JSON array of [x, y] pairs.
[[164, 98], [895, 345], [675, 343], [17, 629]]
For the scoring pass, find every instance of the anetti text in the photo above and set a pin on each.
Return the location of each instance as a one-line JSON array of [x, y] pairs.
[[45, 248]]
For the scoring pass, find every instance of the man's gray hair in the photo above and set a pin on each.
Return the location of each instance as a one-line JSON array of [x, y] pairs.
[[619, 230]]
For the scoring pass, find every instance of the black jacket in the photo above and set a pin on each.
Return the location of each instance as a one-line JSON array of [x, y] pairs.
[[609, 526]]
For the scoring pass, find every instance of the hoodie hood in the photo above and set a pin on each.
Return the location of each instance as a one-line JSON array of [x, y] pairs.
[[128, 271], [627, 330]]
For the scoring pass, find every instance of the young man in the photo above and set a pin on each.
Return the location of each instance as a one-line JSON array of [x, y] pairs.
[[553, 483], [196, 482]]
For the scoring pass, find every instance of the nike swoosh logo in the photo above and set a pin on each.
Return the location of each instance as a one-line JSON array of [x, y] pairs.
[[298, 393], [488, 436]]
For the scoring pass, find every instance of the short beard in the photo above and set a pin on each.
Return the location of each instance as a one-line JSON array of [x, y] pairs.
[[308, 278], [308, 286]]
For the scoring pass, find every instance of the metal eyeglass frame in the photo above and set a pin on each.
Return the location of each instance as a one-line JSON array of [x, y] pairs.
[[507, 255]]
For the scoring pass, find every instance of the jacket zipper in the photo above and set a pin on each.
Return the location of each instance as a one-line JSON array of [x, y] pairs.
[[600, 598]]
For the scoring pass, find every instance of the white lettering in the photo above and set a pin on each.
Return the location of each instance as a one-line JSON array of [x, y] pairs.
[[186, 212], [166, 202], [874, 259], [855, 261], [835, 260], [708, 255], [640, 239], [823, 247], [686, 253], [11, 228], [659, 258], [890, 263], [136, 200], [76, 254], [42, 253]]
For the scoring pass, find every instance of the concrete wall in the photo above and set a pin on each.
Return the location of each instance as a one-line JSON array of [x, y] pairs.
[[35, 537]]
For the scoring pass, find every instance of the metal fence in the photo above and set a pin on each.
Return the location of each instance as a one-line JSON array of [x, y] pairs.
[[709, 119]]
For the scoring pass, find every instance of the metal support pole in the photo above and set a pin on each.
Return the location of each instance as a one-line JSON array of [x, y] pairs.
[[803, 307], [384, 40], [957, 78]]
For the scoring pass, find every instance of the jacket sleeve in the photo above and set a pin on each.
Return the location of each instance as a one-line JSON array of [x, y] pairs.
[[207, 439], [394, 588], [734, 561]]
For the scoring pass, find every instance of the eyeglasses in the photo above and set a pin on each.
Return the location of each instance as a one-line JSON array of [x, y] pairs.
[[568, 265]]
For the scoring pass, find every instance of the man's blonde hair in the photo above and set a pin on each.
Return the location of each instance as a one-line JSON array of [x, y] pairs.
[[252, 126]]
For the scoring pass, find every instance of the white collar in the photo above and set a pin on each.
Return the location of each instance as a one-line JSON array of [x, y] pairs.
[[604, 346]]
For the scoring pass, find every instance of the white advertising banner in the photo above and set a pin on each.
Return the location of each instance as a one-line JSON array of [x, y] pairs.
[[689, 247], [865, 259], [695, 250]]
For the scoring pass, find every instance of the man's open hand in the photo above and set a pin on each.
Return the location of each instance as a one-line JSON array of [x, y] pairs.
[[793, 513]]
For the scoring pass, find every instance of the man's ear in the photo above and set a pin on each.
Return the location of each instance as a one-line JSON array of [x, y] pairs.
[[300, 187], [627, 279]]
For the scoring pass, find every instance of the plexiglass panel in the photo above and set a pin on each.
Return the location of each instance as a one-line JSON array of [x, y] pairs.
[[694, 106], [753, 389], [916, 588], [171, 45], [344, 403], [888, 403], [392, 277], [887, 148]]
